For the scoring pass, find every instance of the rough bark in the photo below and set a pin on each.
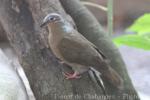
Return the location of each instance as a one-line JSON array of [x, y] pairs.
[[21, 20]]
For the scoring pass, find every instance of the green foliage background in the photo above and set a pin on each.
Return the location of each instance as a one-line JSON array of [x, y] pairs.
[[141, 38]]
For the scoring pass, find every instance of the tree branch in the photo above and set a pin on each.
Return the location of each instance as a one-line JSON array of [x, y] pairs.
[[92, 30]]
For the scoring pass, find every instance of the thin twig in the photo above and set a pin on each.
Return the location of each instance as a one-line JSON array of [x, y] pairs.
[[94, 5]]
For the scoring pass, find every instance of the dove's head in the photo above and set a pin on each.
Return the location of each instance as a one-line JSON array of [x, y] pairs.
[[56, 22], [51, 18]]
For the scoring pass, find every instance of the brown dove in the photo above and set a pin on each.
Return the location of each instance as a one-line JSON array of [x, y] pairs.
[[75, 50]]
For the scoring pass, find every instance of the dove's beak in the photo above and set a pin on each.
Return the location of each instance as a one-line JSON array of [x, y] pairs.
[[44, 24]]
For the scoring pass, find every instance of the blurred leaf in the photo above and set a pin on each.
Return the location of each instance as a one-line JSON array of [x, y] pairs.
[[134, 41], [142, 25]]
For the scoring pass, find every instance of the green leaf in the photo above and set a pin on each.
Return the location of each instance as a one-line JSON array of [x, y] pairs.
[[134, 41], [142, 25]]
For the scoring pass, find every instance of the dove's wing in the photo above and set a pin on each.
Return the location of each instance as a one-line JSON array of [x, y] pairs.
[[74, 48]]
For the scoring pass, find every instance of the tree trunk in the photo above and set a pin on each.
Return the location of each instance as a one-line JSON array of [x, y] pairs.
[[21, 21]]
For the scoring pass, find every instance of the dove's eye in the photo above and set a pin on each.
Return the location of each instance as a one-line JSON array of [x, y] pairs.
[[52, 18]]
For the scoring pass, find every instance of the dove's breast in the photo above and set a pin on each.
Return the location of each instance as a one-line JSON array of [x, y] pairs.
[[54, 41]]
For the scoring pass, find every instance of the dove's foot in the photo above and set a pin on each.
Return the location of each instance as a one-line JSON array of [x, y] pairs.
[[74, 75]]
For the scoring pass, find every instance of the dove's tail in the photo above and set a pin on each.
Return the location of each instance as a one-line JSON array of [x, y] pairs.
[[110, 75], [113, 78]]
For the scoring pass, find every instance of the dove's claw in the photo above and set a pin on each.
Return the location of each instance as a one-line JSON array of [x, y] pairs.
[[74, 75]]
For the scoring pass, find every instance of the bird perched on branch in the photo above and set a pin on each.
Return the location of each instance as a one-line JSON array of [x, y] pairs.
[[75, 50]]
